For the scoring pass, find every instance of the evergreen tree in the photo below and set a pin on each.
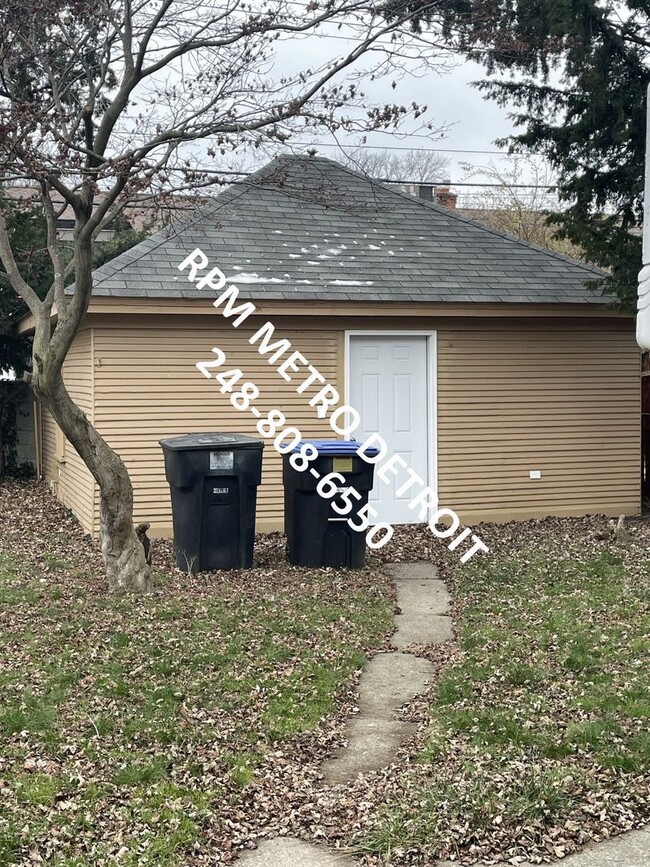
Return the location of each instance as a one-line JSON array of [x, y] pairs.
[[578, 90], [28, 232], [29, 238]]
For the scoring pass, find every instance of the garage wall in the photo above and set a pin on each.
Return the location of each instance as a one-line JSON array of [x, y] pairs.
[[147, 388], [559, 398], [62, 466]]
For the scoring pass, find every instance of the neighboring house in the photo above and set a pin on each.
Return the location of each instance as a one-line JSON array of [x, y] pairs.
[[151, 214], [143, 213], [484, 361]]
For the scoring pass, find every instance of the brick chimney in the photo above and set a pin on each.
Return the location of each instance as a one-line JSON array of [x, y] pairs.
[[438, 193], [444, 196]]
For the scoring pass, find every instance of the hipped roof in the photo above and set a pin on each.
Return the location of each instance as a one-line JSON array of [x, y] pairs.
[[307, 228]]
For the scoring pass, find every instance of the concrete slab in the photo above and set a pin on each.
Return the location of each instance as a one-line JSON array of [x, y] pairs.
[[372, 745], [289, 852], [421, 629], [628, 850], [388, 681], [422, 570], [374, 734], [426, 596], [423, 601]]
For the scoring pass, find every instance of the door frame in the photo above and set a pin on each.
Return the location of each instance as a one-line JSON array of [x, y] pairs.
[[431, 386]]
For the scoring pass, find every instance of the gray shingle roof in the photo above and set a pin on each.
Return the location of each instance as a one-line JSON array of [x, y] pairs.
[[308, 228]]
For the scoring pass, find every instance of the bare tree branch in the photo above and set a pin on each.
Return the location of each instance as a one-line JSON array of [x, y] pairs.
[[22, 288], [106, 101], [54, 250]]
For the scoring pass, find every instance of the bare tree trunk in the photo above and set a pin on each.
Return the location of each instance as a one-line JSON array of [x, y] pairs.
[[124, 555]]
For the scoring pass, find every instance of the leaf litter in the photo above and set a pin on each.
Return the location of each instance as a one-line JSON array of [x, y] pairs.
[[182, 727]]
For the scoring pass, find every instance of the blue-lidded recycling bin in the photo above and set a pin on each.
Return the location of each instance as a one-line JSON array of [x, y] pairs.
[[317, 535]]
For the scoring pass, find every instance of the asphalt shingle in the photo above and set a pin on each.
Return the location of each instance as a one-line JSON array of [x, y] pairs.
[[307, 228]]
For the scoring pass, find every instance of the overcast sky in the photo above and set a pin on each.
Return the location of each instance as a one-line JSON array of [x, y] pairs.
[[465, 124], [475, 121], [472, 122]]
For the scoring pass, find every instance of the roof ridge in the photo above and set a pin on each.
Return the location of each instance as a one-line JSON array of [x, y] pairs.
[[591, 269]]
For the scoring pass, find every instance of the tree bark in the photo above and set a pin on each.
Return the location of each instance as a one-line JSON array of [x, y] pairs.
[[124, 555]]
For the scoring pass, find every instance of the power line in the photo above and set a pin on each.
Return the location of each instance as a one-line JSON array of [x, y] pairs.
[[364, 147], [403, 148], [408, 183]]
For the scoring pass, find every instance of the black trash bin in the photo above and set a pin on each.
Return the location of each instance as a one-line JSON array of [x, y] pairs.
[[316, 534], [213, 479]]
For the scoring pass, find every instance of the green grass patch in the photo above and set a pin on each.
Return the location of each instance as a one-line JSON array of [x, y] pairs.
[[10, 843], [30, 714], [545, 710], [142, 773], [37, 788], [156, 712]]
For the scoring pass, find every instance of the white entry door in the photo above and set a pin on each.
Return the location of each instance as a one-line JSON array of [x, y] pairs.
[[388, 387]]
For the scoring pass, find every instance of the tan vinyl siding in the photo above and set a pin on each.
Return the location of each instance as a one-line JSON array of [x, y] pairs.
[[147, 388], [50, 466], [556, 395], [563, 399], [63, 467]]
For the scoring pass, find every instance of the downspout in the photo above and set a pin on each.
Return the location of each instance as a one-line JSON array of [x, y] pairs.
[[643, 303]]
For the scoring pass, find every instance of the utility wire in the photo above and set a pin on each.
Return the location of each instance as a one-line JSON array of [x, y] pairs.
[[421, 183], [404, 148]]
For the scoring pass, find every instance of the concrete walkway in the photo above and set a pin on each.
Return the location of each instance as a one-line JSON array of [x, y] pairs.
[[424, 605], [388, 681], [628, 850], [289, 852]]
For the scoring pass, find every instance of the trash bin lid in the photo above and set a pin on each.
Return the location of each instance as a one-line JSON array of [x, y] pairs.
[[211, 442], [337, 447]]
